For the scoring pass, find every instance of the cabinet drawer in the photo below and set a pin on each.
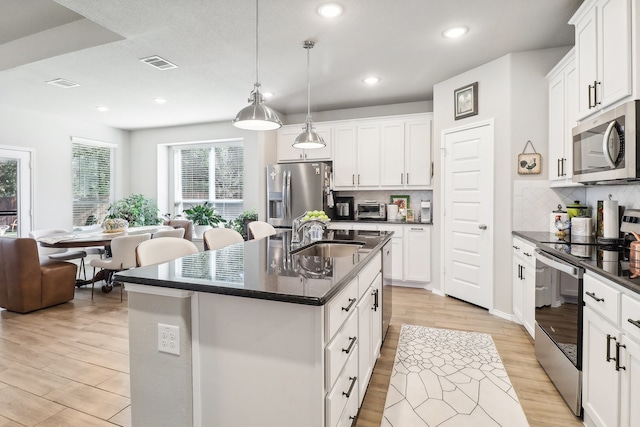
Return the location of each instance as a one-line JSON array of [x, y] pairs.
[[630, 312], [345, 389], [528, 252], [601, 297], [350, 412], [368, 274], [339, 309], [340, 348]]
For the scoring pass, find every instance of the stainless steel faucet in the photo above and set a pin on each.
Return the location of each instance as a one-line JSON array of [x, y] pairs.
[[298, 228]]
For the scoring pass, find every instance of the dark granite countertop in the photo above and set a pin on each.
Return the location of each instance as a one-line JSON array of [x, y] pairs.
[[604, 260], [265, 269], [380, 221]]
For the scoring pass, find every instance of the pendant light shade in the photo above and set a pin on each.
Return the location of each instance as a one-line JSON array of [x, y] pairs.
[[257, 116], [308, 138]]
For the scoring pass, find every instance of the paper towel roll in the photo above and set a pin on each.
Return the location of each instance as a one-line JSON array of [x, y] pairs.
[[581, 226], [610, 219], [392, 212]]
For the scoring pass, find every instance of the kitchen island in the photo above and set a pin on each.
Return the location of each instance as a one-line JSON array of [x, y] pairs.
[[252, 334]]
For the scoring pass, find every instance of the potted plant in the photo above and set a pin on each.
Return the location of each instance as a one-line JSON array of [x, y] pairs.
[[137, 209], [204, 216], [239, 224]]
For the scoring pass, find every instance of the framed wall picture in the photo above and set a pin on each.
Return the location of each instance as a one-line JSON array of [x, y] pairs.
[[401, 201], [465, 101]]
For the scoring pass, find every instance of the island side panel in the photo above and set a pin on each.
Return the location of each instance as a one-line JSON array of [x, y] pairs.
[[261, 362], [161, 383]]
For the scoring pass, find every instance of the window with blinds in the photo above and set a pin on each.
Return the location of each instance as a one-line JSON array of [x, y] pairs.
[[92, 186], [212, 172]]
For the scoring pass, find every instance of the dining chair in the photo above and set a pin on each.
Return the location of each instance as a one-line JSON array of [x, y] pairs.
[[176, 232], [123, 257], [181, 223], [59, 254], [217, 238], [260, 229], [163, 249]]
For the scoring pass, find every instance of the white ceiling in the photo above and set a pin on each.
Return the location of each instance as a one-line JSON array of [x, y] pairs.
[[213, 44]]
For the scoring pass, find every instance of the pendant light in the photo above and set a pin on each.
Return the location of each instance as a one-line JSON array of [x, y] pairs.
[[257, 116], [308, 138]]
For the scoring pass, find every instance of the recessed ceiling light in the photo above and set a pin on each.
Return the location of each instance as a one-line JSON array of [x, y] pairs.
[[455, 32], [268, 94], [371, 80], [160, 100], [102, 108], [330, 10]]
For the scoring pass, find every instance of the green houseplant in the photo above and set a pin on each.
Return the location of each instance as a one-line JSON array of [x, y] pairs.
[[239, 224], [137, 209], [204, 216]]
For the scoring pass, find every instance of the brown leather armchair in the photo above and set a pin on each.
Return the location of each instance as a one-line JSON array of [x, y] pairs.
[[26, 284], [187, 224]]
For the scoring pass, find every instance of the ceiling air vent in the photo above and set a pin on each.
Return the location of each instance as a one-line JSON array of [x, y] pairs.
[[158, 62], [65, 84]]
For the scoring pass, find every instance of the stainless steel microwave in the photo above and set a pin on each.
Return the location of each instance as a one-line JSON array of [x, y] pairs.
[[605, 148]]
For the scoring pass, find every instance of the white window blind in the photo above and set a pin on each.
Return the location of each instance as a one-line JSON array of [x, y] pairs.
[[92, 171], [212, 172]]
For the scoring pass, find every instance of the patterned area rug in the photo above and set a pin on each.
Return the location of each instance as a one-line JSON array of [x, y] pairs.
[[449, 378]]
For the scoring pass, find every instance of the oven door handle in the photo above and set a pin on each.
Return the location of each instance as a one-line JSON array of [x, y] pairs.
[[556, 263]]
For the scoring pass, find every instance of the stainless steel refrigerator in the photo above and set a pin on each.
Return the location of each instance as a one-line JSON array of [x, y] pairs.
[[294, 188]]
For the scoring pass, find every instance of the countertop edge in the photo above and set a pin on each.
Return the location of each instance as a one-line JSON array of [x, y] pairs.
[[248, 293]]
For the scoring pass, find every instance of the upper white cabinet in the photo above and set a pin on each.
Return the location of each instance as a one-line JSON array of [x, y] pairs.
[[406, 153], [563, 107], [604, 40], [356, 159], [368, 156], [288, 153]]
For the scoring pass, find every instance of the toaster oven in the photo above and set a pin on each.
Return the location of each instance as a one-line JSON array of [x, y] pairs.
[[371, 210]]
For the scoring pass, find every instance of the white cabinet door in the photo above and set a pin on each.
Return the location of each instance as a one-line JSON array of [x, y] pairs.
[[557, 133], [417, 150], [630, 359], [393, 153], [587, 62], [376, 319], [345, 157], [600, 394], [517, 281], [368, 159], [614, 50], [287, 153], [529, 298], [417, 257], [397, 249], [365, 367]]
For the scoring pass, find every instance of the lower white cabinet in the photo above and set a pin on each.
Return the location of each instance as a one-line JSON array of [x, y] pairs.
[[611, 355], [524, 288], [411, 246], [369, 333]]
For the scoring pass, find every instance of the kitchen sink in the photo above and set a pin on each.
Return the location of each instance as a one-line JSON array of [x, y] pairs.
[[329, 250]]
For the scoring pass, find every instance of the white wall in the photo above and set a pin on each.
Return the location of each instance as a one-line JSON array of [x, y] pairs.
[[149, 145], [511, 91], [362, 112], [50, 138]]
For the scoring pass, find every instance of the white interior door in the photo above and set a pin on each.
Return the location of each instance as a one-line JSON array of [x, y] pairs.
[[20, 190], [468, 213]]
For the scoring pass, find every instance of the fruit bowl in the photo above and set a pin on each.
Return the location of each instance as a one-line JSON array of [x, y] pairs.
[[316, 215]]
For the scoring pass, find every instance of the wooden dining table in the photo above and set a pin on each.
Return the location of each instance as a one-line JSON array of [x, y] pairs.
[[94, 238]]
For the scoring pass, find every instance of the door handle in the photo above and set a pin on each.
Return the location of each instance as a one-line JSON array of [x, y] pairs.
[[618, 367], [559, 173], [609, 338], [590, 106], [482, 226], [407, 178], [401, 178]]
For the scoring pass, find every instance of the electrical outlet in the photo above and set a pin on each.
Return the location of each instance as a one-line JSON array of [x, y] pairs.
[[168, 339]]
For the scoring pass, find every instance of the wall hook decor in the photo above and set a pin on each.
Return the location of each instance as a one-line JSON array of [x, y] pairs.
[[529, 163]]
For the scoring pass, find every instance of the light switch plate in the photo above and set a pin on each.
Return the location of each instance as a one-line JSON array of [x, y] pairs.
[[169, 339]]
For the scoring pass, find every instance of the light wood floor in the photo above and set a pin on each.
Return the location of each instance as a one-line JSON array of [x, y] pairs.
[[541, 402], [68, 366]]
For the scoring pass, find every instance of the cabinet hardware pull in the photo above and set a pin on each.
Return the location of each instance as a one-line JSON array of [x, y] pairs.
[[358, 179], [559, 175], [609, 338], [564, 173], [351, 417], [635, 323], [593, 295], [591, 106], [522, 272], [527, 254], [482, 226], [407, 178], [351, 344], [516, 247], [417, 228], [353, 179], [353, 383], [401, 178], [351, 302], [618, 367], [595, 93], [375, 300], [519, 272]]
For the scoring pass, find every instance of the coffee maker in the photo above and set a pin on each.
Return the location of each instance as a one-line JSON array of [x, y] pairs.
[[425, 211], [344, 208]]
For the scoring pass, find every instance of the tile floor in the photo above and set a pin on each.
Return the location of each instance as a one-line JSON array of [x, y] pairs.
[[443, 377]]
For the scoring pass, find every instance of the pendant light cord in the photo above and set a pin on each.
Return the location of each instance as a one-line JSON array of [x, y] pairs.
[[257, 58], [308, 44]]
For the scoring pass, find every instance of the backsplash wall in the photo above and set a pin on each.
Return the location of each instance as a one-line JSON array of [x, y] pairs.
[[534, 200]]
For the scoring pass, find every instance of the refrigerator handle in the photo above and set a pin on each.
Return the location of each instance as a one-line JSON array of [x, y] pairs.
[[288, 193], [284, 195]]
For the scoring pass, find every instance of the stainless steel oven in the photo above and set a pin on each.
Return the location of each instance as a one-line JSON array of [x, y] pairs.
[[558, 333]]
